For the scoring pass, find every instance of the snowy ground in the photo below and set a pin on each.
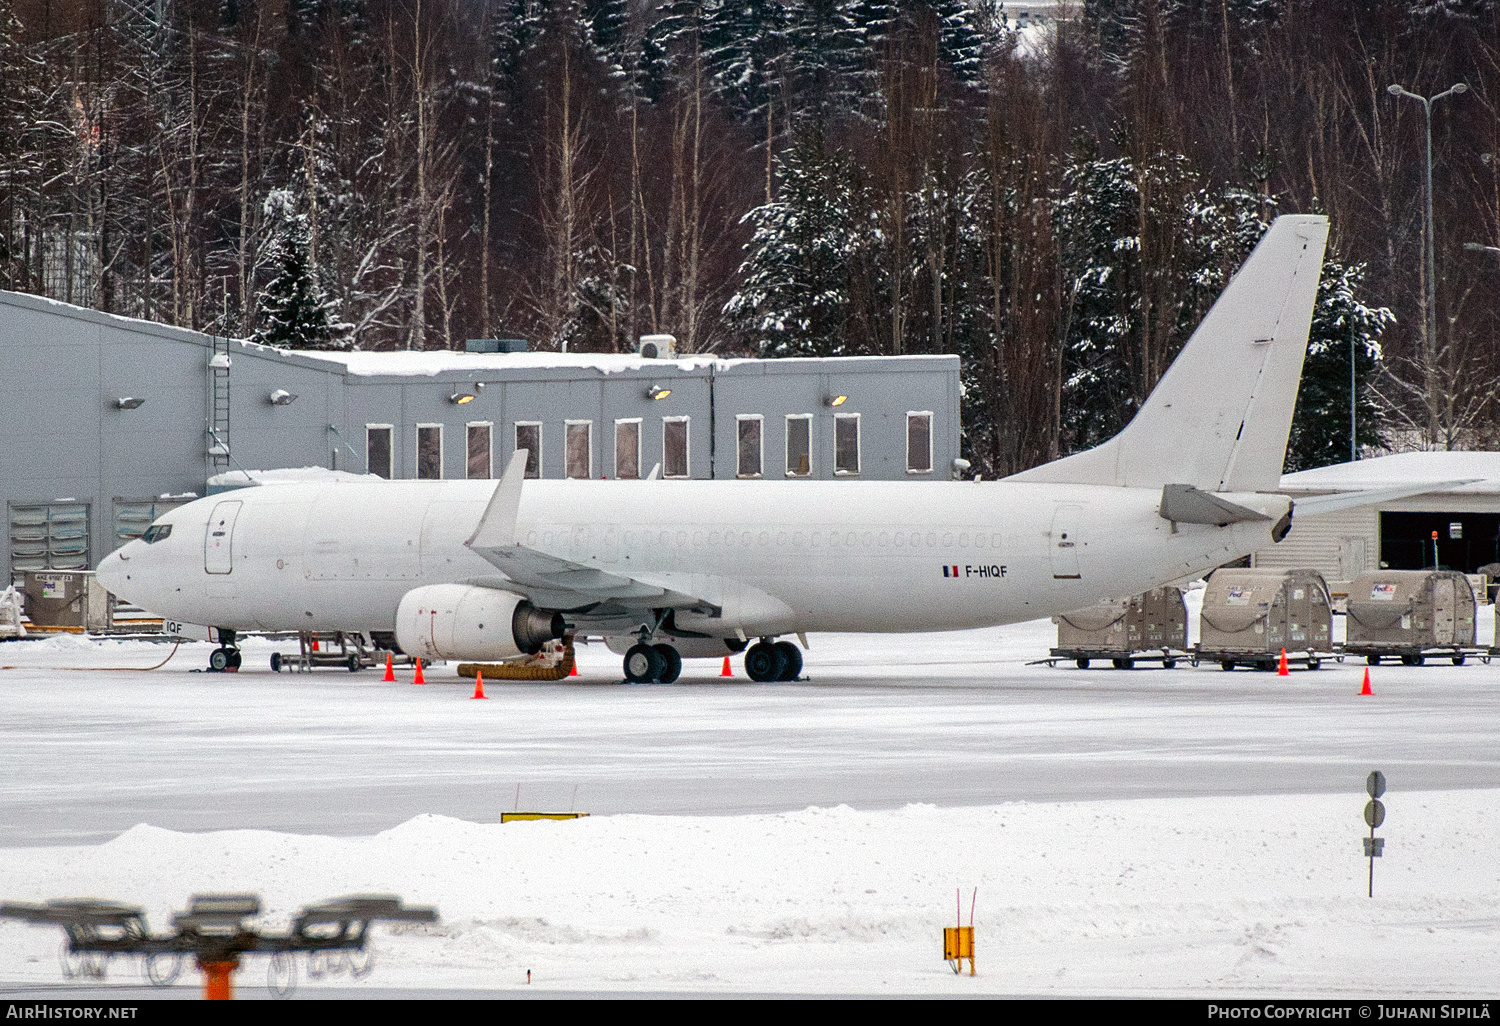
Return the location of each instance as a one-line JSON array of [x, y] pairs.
[[1184, 832]]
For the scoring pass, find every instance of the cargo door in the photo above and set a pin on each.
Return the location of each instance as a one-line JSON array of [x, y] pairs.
[[218, 543], [1064, 543], [1444, 610]]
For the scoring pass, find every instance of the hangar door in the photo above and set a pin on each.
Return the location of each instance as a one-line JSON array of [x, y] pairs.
[[1465, 541]]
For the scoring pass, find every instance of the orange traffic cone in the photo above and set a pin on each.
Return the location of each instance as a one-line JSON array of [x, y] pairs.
[[315, 643], [478, 685], [574, 671], [418, 679], [390, 670], [1281, 670], [726, 672], [1366, 689]]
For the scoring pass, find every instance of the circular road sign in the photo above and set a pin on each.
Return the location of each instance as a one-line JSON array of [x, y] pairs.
[[1375, 784], [1374, 813]]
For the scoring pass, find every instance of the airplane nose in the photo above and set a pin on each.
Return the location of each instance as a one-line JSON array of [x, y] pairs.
[[111, 572]]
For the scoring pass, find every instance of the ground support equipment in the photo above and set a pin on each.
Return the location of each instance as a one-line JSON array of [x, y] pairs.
[[554, 662], [334, 648], [1082, 658], [1417, 655], [1258, 660]]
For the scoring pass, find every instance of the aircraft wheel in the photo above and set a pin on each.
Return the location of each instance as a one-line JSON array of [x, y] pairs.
[[763, 662], [218, 660], [791, 658], [1082, 664], [671, 663], [642, 664], [234, 658]]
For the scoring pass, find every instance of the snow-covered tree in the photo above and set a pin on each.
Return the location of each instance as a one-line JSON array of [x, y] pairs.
[[1343, 351], [295, 313], [795, 296]]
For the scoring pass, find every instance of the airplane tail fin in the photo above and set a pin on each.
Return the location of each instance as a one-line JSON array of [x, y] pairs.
[[1219, 418]]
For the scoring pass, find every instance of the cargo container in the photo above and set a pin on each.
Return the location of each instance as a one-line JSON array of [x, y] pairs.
[[1250, 616], [1411, 615], [1150, 627]]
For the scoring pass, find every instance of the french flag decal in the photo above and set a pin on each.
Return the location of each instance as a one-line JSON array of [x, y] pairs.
[[946, 572]]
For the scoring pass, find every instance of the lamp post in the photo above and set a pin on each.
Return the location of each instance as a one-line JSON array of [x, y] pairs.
[[1431, 239]]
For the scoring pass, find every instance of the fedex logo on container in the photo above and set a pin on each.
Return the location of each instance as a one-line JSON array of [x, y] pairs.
[[974, 571]]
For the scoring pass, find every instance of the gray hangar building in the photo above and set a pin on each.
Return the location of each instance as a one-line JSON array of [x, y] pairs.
[[107, 421]]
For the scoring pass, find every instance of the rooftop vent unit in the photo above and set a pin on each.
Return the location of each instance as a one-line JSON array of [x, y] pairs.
[[495, 345], [658, 347]]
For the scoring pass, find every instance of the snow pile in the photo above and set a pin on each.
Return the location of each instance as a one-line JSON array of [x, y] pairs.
[[1250, 895]]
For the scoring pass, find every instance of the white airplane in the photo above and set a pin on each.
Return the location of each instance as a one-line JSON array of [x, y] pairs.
[[484, 570]]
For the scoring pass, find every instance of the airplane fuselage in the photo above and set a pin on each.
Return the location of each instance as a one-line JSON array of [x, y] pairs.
[[770, 557]]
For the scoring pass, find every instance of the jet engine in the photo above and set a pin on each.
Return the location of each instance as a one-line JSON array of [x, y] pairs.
[[460, 621]]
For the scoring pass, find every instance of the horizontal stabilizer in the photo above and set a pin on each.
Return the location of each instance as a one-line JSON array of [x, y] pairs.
[[1332, 503], [1185, 504]]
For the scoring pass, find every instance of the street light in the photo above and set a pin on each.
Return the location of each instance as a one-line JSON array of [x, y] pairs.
[[1431, 239]]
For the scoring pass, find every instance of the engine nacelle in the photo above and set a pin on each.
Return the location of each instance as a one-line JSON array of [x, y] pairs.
[[460, 621]]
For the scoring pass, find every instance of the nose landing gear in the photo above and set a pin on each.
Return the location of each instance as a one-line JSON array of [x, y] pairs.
[[225, 658]]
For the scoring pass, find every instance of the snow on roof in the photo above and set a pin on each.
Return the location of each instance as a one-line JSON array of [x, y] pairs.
[[284, 475], [1401, 469], [435, 362]]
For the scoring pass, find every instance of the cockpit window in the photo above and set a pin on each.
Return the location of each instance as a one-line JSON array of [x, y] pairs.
[[156, 532]]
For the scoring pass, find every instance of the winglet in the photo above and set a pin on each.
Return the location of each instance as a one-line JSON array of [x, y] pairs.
[[497, 528]]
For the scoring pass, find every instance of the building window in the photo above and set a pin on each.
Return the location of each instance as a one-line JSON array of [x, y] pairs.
[[799, 445], [919, 442], [378, 450], [628, 449], [579, 440], [479, 465], [846, 443], [747, 433], [529, 437], [429, 452], [674, 446]]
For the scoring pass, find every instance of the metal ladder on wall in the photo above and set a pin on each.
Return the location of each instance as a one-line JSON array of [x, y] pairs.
[[218, 416]]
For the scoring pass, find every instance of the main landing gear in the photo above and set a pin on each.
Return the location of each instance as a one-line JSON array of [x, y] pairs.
[[225, 658], [658, 664], [773, 661]]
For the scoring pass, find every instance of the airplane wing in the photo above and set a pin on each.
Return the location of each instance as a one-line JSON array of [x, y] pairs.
[[551, 581]]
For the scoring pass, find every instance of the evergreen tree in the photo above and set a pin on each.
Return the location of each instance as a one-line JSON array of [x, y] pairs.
[[294, 312], [825, 55], [743, 42], [795, 300], [1344, 328]]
